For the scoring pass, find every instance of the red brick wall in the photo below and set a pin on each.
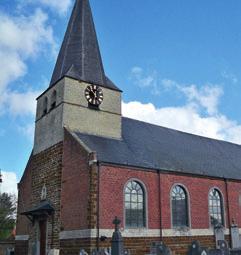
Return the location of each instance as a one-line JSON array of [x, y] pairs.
[[113, 180], [198, 190], [234, 192], [75, 186], [24, 203]]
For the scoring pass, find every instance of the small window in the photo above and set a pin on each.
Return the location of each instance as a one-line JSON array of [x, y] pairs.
[[53, 99], [45, 106], [216, 207], [179, 207], [135, 211]]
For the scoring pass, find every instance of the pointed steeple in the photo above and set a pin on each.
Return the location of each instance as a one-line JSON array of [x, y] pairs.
[[79, 56]]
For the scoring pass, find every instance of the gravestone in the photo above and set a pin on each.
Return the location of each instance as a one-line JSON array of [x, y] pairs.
[[160, 249], [83, 252], [196, 249], [53, 252], [235, 238], [223, 250], [219, 234]]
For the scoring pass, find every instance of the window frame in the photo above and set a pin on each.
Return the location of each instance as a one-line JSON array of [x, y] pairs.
[[188, 209], [145, 204], [222, 207]]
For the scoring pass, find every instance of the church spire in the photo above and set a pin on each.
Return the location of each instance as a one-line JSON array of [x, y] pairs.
[[79, 56]]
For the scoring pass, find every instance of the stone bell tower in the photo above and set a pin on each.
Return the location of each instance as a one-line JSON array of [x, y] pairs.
[[80, 96]]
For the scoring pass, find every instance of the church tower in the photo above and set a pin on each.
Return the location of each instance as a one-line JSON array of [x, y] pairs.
[[80, 96]]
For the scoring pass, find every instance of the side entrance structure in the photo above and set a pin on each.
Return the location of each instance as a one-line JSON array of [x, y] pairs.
[[90, 164]]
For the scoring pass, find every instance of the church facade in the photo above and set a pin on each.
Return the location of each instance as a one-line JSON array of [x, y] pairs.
[[90, 164]]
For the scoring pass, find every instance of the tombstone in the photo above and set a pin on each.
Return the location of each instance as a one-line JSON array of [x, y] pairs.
[[53, 252], [196, 249], [224, 247], [117, 247], [83, 252], [160, 249], [219, 234], [235, 238]]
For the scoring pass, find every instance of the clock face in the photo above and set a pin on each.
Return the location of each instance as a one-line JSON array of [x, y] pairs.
[[94, 95]]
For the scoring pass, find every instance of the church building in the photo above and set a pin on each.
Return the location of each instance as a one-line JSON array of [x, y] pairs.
[[90, 164]]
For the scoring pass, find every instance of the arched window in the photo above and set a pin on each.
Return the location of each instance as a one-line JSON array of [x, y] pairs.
[[135, 211], [53, 99], [45, 106], [216, 207], [179, 207]]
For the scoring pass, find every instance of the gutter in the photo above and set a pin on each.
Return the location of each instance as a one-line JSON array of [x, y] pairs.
[[160, 203], [228, 211]]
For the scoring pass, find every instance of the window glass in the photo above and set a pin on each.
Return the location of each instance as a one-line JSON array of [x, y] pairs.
[[179, 207], [135, 215], [215, 207]]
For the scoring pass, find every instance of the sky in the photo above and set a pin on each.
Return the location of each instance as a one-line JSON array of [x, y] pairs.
[[177, 62]]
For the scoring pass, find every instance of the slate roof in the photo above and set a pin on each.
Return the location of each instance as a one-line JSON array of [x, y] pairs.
[[79, 57], [153, 147]]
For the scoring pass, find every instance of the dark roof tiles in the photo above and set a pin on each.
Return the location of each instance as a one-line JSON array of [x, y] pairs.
[[149, 146], [79, 56]]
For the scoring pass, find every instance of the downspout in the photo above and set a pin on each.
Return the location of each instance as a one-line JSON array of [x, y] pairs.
[[229, 221], [98, 205], [160, 204]]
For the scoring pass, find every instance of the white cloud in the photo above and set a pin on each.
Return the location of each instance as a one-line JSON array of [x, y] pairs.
[[27, 130], [61, 6], [230, 77], [207, 96], [186, 118], [22, 38], [19, 104], [144, 80], [9, 184]]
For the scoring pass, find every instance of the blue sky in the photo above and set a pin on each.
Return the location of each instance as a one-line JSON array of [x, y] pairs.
[[178, 63]]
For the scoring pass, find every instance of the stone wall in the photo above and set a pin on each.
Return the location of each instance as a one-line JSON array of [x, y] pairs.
[[44, 168]]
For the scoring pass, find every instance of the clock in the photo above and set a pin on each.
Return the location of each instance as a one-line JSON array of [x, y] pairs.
[[94, 95]]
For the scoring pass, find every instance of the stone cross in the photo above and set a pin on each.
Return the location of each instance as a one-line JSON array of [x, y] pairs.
[[116, 222], [117, 247]]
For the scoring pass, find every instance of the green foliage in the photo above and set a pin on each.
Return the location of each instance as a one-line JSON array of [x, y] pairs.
[[7, 215]]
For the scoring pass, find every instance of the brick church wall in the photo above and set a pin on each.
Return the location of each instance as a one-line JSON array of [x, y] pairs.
[[24, 203], [78, 186], [112, 182], [75, 186], [43, 168], [197, 188]]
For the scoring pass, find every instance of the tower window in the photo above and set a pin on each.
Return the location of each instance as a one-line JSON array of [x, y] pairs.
[[135, 211], [179, 207], [45, 106], [53, 99], [216, 207]]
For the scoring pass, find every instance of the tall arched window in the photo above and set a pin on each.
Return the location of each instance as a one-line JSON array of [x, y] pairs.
[[179, 207], [216, 207], [135, 211]]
